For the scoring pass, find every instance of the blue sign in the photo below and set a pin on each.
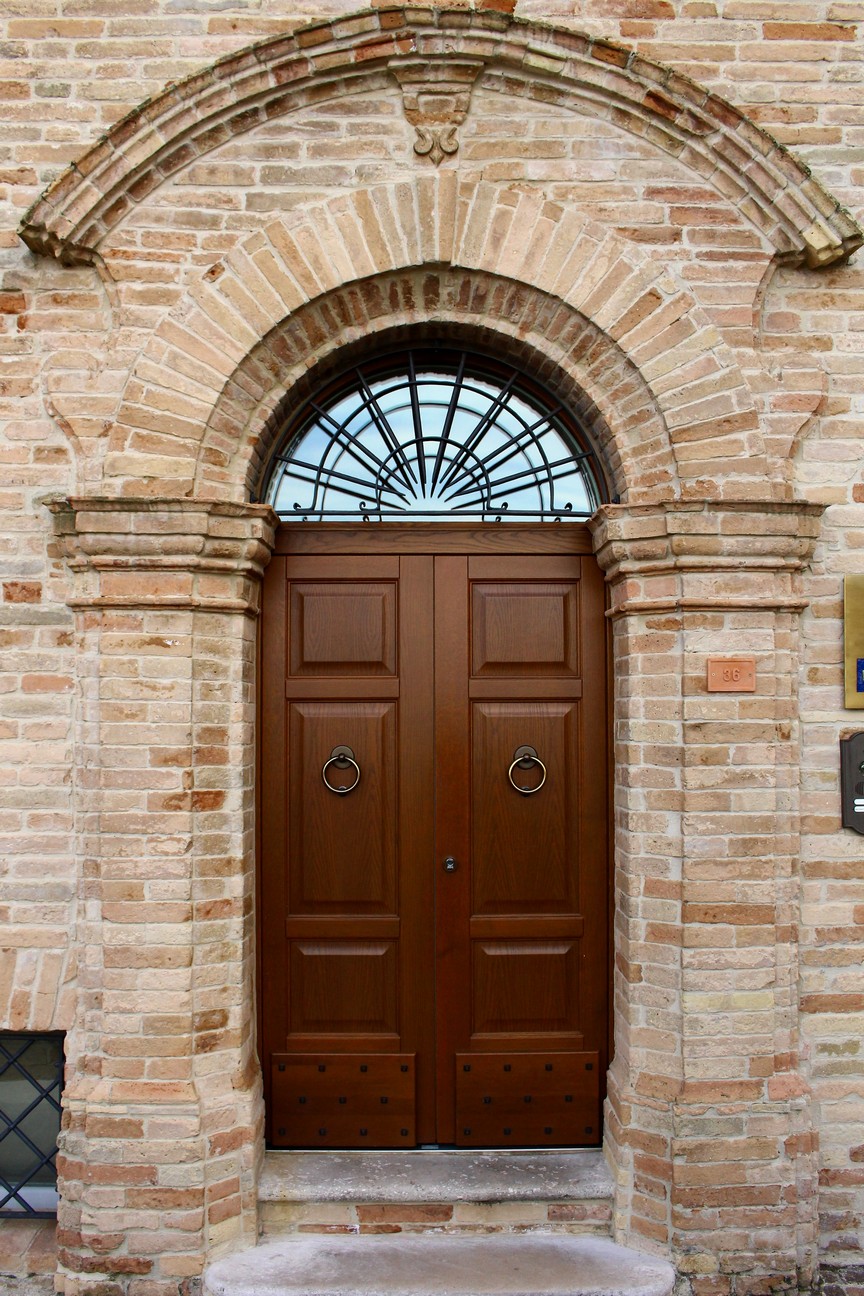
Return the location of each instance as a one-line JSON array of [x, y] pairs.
[[859, 675]]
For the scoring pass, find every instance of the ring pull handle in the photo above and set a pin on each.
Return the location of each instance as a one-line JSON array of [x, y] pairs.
[[343, 759], [523, 759]]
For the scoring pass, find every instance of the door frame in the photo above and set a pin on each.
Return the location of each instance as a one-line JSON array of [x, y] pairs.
[[438, 538]]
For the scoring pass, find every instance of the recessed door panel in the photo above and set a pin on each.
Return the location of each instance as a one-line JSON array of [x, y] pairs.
[[525, 849], [342, 845], [343, 987], [525, 628], [343, 628], [525, 987]]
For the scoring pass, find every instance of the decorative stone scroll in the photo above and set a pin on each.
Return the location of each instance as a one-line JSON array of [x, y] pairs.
[[438, 54], [436, 98]]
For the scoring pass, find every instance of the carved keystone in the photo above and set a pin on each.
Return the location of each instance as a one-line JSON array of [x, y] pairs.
[[436, 98]]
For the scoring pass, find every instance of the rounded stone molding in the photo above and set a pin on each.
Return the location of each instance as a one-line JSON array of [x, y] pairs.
[[794, 215], [722, 556]]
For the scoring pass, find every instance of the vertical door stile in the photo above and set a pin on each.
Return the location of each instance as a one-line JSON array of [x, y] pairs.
[[452, 837], [593, 807], [416, 900], [273, 969]]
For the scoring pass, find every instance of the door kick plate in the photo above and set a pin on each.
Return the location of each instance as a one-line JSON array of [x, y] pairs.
[[527, 1099], [343, 1100]]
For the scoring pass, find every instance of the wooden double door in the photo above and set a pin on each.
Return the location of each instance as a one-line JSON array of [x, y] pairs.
[[434, 882]]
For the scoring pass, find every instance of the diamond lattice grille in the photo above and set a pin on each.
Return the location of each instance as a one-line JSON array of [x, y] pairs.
[[31, 1081]]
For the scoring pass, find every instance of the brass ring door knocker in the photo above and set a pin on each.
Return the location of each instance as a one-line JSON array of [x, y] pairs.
[[523, 759], [343, 759]]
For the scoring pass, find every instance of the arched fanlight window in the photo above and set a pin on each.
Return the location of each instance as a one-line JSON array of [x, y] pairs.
[[433, 433]]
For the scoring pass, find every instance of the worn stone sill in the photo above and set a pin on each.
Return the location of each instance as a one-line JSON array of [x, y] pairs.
[[435, 1176]]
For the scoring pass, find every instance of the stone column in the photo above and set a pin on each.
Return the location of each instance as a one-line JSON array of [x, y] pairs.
[[163, 1110], [708, 1121]]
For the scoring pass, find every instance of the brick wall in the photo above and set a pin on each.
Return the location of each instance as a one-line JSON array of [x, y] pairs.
[[144, 365]]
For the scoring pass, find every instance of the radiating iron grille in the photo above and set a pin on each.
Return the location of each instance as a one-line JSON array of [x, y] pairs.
[[429, 434], [31, 1082]]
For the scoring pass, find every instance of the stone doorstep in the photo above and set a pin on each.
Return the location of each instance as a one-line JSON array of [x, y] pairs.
[[279, 1218], [447, 1191], [435, 1264], [436, 1176]]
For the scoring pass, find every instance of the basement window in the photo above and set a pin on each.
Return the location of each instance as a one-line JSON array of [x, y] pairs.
[[31, 1082]]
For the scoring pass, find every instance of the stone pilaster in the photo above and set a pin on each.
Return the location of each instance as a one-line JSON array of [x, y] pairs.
[[709, 1122], [162, 1124]]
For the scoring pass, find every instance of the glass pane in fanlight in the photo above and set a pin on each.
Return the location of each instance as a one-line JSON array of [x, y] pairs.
[[422, 446]]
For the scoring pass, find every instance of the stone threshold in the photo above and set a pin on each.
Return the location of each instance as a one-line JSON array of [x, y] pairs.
[[436, 1175], [434, 1264]]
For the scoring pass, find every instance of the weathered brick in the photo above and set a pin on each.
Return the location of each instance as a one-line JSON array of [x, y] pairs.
[[658, 280]]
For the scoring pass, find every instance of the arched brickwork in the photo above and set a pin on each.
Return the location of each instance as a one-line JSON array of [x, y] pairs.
[[633, 315], [795, 216], [705, 553], [480, 310]]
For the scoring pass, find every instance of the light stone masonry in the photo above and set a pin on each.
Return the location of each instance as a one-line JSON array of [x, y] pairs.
[[654, 206]]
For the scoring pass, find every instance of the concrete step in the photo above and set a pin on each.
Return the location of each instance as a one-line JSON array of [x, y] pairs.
[[451, 1191], [436, 1264]]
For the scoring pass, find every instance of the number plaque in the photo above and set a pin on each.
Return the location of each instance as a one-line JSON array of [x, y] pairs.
[[731, 674], [853, 640]]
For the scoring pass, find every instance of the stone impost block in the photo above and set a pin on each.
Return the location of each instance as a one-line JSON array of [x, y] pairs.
[[164, 553], [705, 554]]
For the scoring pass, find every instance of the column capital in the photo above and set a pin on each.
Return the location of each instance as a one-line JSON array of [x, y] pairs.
[[705, 554], [164, 553]]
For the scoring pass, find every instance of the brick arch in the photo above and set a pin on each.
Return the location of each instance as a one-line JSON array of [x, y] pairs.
[[361, 52], [692, 409], [475, 309]]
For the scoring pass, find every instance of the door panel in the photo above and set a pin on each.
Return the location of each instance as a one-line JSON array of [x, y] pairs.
[[533, 841], [340, 1100], [479, 987], [524, 986], [342, 849], [343, 987], [346, 894], [343, 628], [525, 848], [531, 1100], [525, 629]]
